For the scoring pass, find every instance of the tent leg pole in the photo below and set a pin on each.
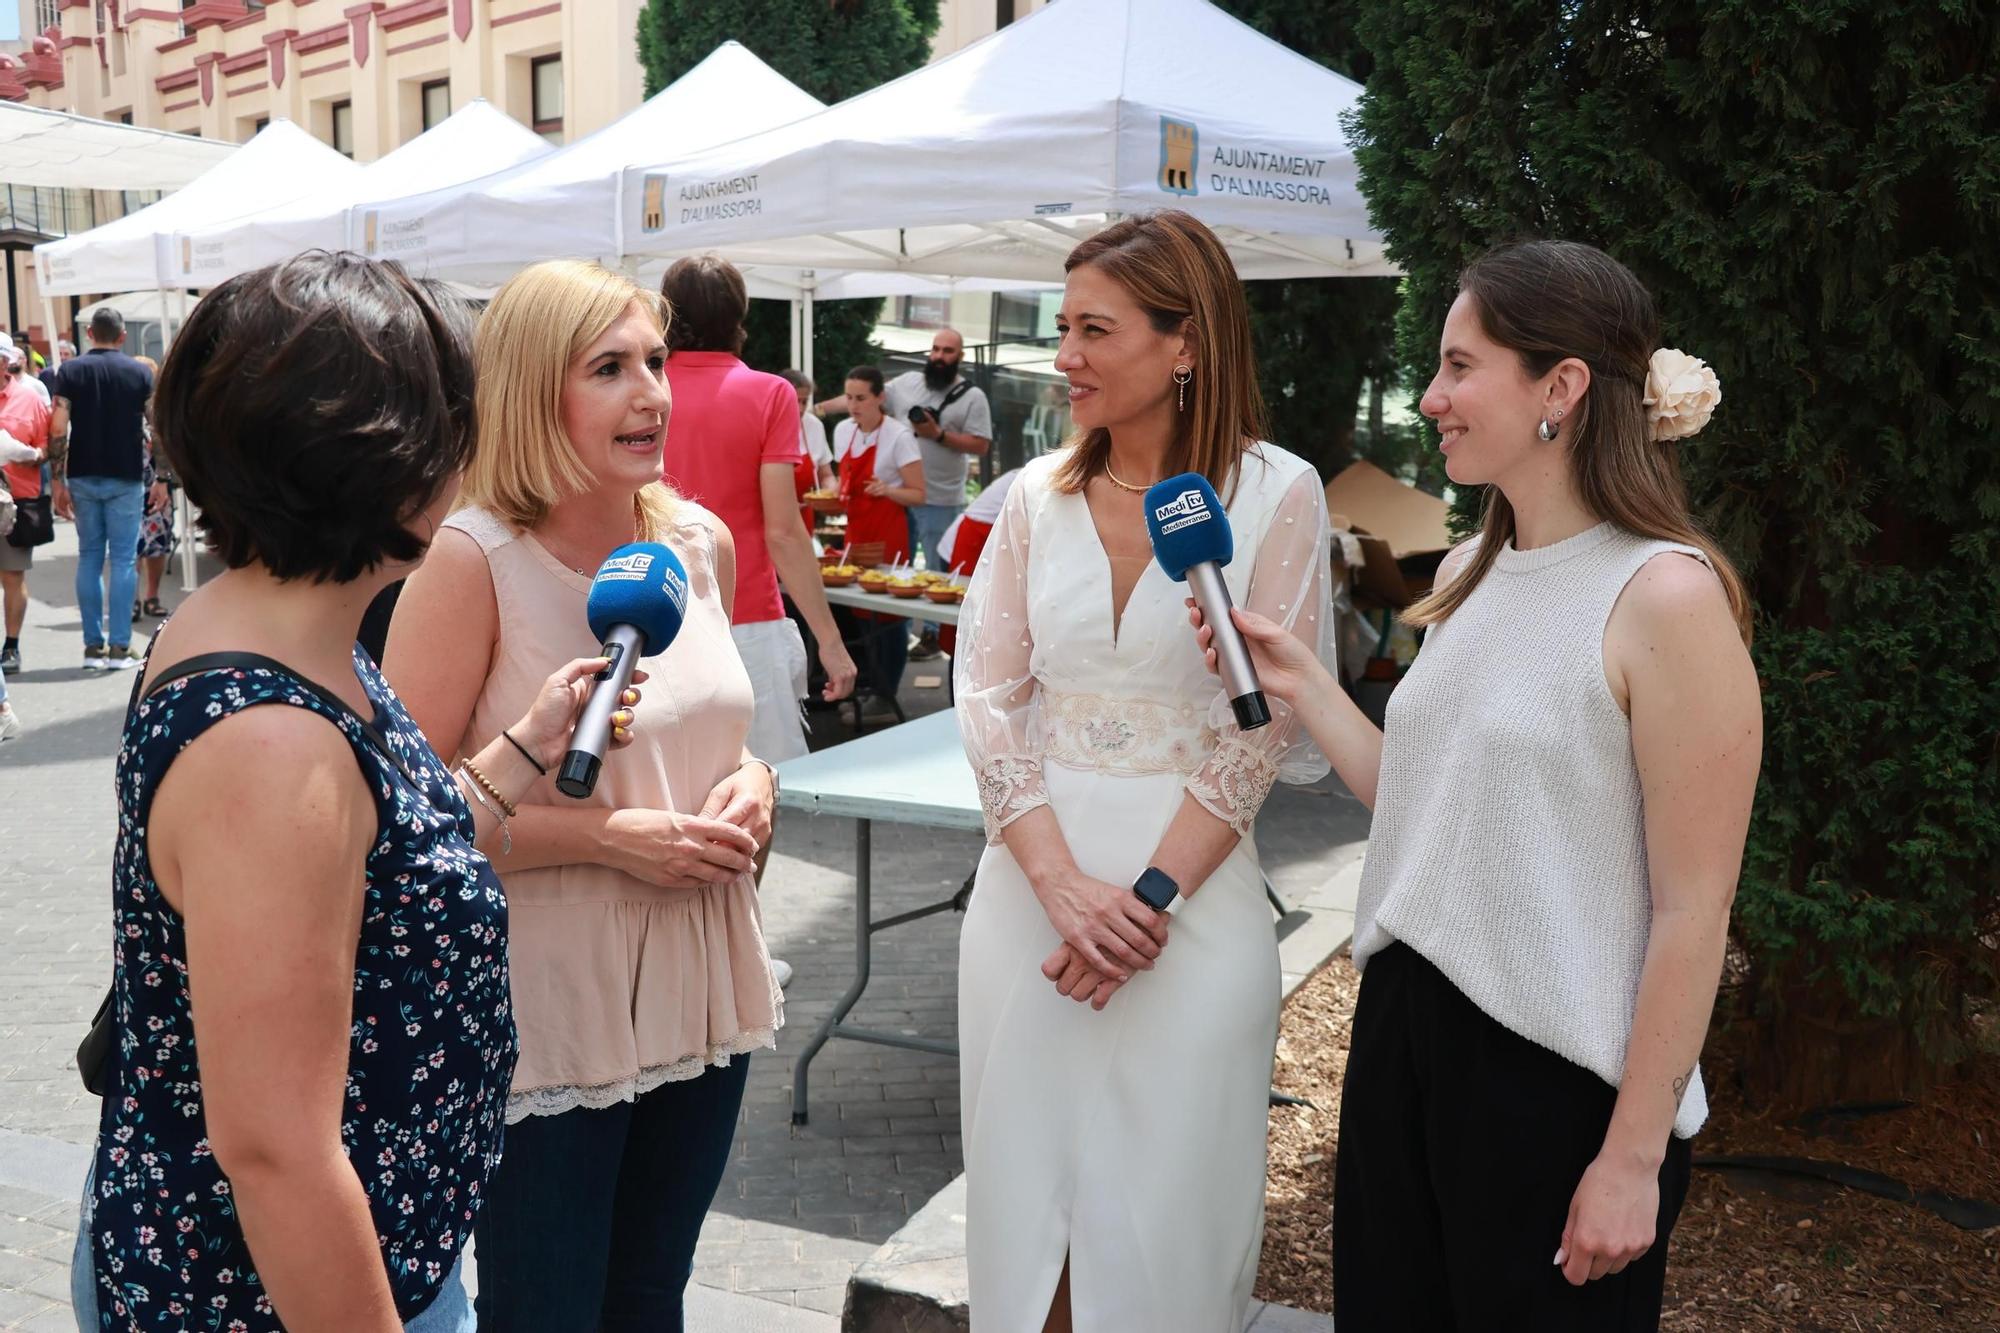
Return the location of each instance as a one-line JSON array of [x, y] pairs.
[[806, 334], [55, 334], [796, 352], [184, 526]]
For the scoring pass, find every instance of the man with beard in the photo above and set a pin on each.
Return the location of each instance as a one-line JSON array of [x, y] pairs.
[[954, 425]]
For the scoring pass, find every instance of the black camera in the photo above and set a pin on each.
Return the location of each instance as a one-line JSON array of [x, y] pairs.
[[921, 414]]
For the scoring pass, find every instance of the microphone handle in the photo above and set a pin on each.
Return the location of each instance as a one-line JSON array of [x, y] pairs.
[[592, 736], [1232, 655]]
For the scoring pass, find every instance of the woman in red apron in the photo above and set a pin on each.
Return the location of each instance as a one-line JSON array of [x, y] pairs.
[[881, 475], [965, 539]]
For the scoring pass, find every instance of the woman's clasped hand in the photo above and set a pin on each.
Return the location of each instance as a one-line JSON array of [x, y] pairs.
[[1107, 934]]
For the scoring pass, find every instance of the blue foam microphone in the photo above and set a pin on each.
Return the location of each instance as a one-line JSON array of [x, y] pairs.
[[635, 609], [1192, 542]]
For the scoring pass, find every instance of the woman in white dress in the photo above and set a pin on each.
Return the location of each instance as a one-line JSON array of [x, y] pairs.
[[1115, 1072]]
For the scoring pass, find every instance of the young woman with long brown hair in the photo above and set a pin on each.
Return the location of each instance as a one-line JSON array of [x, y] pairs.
[[1561, 797], [1115, 1084]]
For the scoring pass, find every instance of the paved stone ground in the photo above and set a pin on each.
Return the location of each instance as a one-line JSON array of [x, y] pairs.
[[799, 1208]]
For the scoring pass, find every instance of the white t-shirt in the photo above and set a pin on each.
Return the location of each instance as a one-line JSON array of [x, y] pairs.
[[895, 446], [812, 433], [985, 508]]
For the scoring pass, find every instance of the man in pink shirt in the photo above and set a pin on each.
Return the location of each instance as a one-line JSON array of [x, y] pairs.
[[24, 414], [732, 446]]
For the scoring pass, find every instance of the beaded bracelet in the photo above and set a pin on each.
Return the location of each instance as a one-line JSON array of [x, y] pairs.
[[487, 783], [506, 838]]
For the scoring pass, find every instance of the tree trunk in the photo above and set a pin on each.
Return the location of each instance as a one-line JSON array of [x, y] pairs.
[[1817, 1050]]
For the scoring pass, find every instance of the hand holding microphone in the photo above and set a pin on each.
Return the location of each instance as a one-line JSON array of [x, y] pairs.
[[636, 604], [1192, 542], [1285, 667]]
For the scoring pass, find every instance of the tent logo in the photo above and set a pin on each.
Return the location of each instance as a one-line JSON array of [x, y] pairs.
[[368, 231], [653, 214], [187, 254], [1177, 155]]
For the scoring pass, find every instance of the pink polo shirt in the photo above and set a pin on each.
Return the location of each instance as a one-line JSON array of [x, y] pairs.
[[25, 416], [728, 421]]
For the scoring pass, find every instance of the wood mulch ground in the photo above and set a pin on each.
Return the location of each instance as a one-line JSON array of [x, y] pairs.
[[1750, 1252]]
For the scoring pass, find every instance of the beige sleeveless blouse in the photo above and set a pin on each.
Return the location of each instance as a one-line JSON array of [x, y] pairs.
[[619, 986]]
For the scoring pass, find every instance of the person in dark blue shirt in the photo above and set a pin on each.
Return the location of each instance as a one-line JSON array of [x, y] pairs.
[[99, 450]]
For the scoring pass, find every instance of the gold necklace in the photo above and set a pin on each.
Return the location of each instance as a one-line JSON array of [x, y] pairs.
[[1112, 477]]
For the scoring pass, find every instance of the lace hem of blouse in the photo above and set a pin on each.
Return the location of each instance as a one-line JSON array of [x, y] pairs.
[[569, 1097], [1233, 783], [1010, 785]]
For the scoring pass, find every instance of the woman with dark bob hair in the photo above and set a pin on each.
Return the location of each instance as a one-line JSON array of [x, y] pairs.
[[313, 1035]]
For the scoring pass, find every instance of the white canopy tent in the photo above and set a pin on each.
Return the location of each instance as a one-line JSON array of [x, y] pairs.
[[481, 232], [994, 161], [475, 141], [566, 204], [280, 164], [57, 149], [149, 304]]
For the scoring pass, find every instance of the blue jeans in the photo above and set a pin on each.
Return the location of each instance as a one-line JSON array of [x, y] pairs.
[[590, 1222], [927, 525], [449, 1312], [108, 512]]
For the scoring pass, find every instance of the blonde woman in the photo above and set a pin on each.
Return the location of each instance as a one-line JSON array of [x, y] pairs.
[[641, 981], [1561, 796]]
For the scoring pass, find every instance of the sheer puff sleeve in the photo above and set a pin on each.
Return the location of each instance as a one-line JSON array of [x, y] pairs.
[[1288, 584], [998, 699]]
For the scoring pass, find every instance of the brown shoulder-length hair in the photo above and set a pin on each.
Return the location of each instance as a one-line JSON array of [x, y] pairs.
[[1179, 274], [1550, 301]]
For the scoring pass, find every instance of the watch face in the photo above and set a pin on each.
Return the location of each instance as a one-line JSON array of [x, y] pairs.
[[1156, 889]]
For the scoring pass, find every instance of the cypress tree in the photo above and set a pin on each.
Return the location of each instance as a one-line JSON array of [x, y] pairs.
[[1317, 339], [833, 50], [1812, 191]]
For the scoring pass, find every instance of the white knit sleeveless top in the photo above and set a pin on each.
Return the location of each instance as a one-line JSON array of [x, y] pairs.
[[1508, 845]]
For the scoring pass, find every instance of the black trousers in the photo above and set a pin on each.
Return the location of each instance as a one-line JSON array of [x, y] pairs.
[[1461, 1144]]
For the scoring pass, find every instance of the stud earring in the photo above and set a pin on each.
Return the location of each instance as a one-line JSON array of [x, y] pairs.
[[1181, 377]]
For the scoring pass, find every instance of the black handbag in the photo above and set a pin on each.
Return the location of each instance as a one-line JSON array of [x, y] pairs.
[[34, 523]]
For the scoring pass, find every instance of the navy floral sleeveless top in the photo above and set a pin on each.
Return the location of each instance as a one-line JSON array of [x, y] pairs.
[[431, 1050]]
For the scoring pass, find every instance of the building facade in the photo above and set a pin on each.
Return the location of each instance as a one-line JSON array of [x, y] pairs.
[[365, 76]]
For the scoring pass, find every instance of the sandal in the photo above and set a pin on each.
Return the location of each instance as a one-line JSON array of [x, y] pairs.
[[155, 608]]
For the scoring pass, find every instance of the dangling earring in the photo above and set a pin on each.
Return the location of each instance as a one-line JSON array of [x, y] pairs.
[[1181, 377]]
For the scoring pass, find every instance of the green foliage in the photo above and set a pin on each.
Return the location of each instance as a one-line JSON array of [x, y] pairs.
[[831, 48], [1319, 338], [1812, 190]]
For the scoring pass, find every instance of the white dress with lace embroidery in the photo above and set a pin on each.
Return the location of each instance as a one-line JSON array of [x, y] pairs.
[[1130, 1141]]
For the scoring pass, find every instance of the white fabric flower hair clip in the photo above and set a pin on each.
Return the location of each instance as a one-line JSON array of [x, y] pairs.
[[1681, 394]]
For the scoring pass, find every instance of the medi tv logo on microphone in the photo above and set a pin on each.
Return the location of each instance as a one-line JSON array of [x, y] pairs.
[[637, 567], [1184, 510], [626, 568]]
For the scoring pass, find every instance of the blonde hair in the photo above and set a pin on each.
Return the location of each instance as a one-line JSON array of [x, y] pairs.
[[537, 325], [1181, 276], [1548, 301]]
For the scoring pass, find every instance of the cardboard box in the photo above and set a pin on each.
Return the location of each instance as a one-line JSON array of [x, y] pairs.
[[1403, 531]]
